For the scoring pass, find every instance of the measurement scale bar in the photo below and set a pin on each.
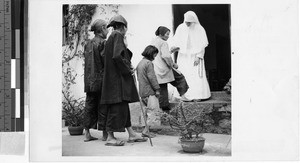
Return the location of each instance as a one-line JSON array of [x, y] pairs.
[[11, 83]]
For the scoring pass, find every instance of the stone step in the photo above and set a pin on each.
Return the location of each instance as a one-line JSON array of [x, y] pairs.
[[218, 107]]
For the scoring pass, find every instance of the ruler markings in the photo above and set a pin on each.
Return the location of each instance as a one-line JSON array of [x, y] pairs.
[[2, 77], [1, 84], [1, 5], [11, 110], [2, 105], [7, 6], [6, 77]]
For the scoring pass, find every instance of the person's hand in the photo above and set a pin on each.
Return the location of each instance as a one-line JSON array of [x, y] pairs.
[[196, 61], [157, 94], [175, 65], [174, 49]]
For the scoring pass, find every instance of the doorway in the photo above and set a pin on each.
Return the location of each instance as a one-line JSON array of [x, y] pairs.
[[215, 19]]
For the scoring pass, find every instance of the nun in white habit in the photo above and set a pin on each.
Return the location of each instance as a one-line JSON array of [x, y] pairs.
[[191, 39]]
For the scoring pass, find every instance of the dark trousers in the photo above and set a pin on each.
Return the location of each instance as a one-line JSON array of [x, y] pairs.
[[114, 117], [92, 107], [181, 86]]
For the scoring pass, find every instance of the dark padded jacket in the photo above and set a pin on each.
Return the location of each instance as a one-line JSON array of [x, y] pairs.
[[118, 83], [94, 64]]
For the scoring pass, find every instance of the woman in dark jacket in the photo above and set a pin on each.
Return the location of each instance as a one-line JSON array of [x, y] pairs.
[[118, 85], [93, 75]]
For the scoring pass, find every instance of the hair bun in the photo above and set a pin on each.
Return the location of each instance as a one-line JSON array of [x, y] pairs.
[[161, 30], [157, 31], [97, 24]]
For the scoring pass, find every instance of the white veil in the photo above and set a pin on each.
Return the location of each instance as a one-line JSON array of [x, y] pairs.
[[190, 39]]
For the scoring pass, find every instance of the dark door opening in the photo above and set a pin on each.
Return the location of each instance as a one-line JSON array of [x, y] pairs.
[[215, 19]]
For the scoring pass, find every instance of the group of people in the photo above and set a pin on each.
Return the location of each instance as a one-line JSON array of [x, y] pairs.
[[109, 75]]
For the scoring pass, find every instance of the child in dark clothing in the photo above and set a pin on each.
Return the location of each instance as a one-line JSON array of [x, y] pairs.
[[148, 84]]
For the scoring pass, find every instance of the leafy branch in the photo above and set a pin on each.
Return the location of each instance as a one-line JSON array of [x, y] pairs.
[[77, 21], [187, 122], [73, 111]]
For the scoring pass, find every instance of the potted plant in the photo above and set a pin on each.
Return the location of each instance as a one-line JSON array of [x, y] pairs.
[[73, 113], [191, 123]]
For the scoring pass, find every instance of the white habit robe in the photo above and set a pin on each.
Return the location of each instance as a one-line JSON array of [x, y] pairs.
[[192, 41]]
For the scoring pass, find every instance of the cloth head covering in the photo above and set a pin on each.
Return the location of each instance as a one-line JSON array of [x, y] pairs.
[[97, 24], [161, 30], [117, 19], [190, 16], [190, 39]]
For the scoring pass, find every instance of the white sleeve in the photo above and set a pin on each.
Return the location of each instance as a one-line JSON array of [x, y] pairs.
[[201, 54]]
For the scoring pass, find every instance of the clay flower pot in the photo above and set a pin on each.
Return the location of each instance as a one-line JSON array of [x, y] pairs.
[[194, 145], [78, 130]]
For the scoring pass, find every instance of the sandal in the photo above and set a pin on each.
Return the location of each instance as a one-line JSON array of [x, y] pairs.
[[117, 143], [143, 139], [90, 139], [148, 134]]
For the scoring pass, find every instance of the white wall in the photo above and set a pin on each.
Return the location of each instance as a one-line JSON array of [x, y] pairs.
[[142, 20], [142, 24]]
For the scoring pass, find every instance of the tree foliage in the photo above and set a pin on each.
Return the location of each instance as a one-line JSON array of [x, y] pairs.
[[190, 124], [77, 21]]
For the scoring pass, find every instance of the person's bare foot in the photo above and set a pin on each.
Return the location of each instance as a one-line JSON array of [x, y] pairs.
[[148, 134], [114, 142], [88, 136], [185, 99], [136, 138], [104, 136]]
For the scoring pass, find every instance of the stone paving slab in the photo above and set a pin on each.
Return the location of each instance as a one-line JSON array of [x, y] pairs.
[[163, 145], [218, 99]]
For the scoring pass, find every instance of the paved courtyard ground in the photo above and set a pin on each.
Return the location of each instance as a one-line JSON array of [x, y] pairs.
[[163, 145]]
